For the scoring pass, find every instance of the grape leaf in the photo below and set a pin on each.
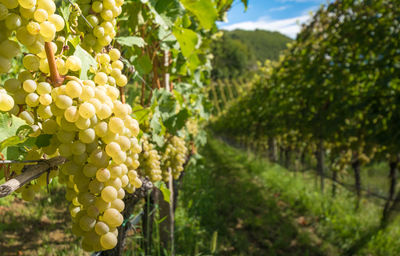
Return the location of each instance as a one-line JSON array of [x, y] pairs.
[[204, 10], [131, 41], [86, 59]]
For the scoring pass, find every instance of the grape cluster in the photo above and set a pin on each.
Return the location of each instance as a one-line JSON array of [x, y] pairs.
[[149, 159], [34, 22], [102, 17], [94, 130], [174, 157]]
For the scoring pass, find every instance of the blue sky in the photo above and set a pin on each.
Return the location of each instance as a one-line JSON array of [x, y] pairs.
[[275, 15]]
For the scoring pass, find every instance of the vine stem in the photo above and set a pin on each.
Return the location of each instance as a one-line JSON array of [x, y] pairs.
[[55, 77], [122, 92], [29, 173]]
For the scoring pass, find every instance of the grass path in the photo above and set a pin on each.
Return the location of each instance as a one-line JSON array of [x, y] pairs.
[[228, 195]]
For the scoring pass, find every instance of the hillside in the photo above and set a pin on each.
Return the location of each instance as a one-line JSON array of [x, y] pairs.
[[238, 51], [264, 44]]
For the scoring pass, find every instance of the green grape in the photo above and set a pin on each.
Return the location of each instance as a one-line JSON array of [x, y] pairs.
[[49, 126], [63, 101], [73, 89], [97, 6], [107, 14], [33, 28], [32, 99], [57, 21], [108, 241], [104, 111], [115, 72], [3, 12], [121, 193], [104, 41], [47, 5], [82, 123], [99, 158], [27, 116], [65, 136], [93, 20], [116, 125], [87, 135], [24, 37], [31, 62], [45, 99], [61, 66], [9, 49], [43, 88], [78, 148], [27, 4], [101, 204], [118, 204], [40, 15], [103, 175], [112, 217], [121, 81], [98, 31], [101, 228], [115, 54], [87, 110], [44, 66], [95, 186], [109, 193], [92, 211], [44, 112], [86, 223], [101, 78], [12, 85], [6, 102], [112, 149], [89, 170], [115, 171], [5, 65], [73, 63], [101, 129], [13, 21], [47, 30], [27, 13], [29, 86], [86, 198], [115, 183], [117, 64]]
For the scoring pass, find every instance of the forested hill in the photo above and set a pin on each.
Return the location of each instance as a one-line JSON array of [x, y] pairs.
[[237, 52], [264, 44]]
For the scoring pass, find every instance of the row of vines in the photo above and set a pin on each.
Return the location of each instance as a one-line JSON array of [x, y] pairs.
[[107, 97], [333, 96]]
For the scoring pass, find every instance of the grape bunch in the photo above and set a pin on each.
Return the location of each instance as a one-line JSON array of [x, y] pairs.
[[94, 130], [34, 22], [149, 159], [174, 157], [102, 17]]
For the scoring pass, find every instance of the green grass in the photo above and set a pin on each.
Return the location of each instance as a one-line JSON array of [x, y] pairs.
[[259, 208]]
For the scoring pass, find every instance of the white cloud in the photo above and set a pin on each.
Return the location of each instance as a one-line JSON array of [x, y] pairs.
[[280, 8], [289, 27]]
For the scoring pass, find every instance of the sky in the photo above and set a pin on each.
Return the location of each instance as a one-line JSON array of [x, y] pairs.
[[274, 15]]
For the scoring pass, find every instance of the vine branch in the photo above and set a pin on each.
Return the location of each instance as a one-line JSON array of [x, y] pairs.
[[29, 173], [55, 77]]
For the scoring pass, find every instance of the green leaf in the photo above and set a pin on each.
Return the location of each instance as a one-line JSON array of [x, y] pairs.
[[165, 192], [143, 64], [177, 122], [204, 10], [9, 125], [187, 40], [131, 41], [65, 13], [86, 59]]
